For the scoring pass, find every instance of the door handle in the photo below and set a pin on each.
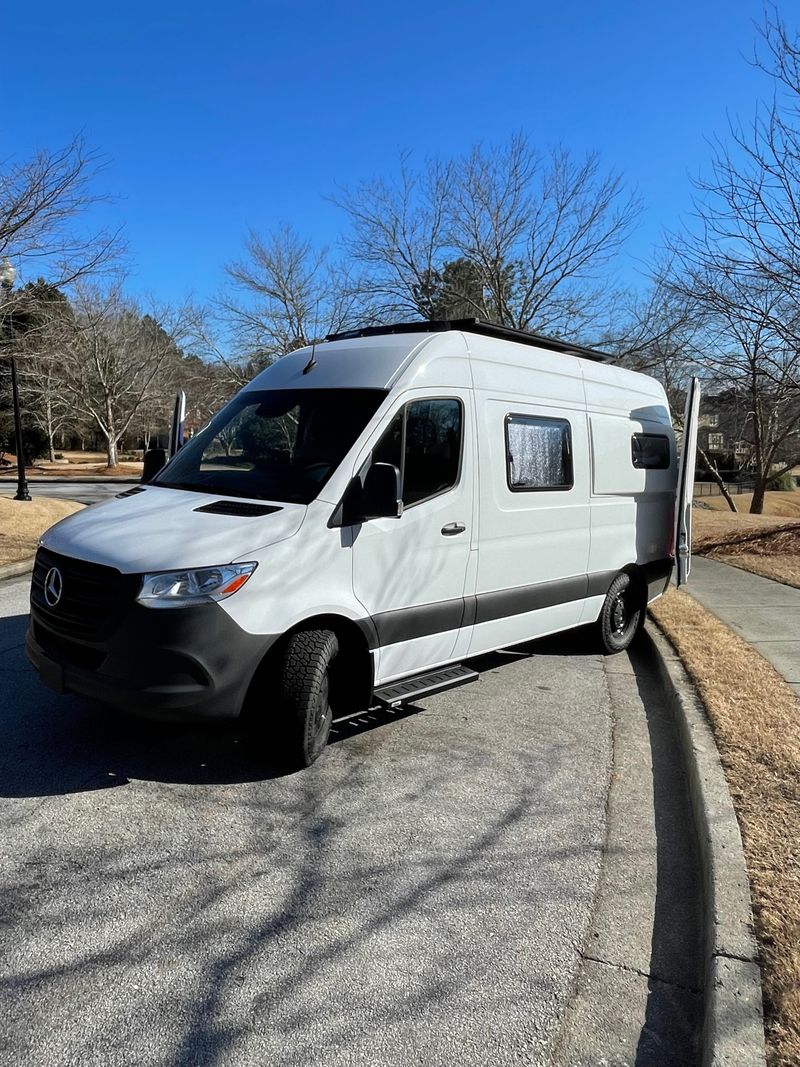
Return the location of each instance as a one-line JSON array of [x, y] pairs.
[[453, 528]]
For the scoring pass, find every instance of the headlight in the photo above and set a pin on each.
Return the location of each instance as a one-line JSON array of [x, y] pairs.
[[179, 589]]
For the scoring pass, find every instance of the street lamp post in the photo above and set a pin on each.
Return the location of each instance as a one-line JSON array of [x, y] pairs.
[[8, 275]]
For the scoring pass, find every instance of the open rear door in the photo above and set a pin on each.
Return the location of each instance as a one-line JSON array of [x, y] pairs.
[[178, 422], [683, 501]]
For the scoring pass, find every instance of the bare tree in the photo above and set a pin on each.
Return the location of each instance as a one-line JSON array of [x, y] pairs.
[[37, 330], [542, 232], [749, 206], [42, 384], [399, 238], [743, 326], [43, 203], [532, 237], [739, 264], [283, 294], [665, 337], [120, 360], [215, 338]]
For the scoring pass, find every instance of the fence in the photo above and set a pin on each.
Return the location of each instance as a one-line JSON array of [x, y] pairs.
[[712, 489]]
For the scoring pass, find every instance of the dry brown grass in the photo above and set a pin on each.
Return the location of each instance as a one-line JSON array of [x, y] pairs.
[[84, 457], [780, 505], [77, 464], [22, 523], [42, 471], [764, 544], [127, 469], [784, 569], [755, 715]]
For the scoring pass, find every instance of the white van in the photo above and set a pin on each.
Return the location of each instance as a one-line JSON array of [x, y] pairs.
[[361, 519]]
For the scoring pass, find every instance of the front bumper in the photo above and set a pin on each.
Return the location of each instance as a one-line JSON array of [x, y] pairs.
[[172, 664]]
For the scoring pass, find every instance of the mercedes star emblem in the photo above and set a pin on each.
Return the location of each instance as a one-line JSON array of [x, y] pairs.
[[53, 586]]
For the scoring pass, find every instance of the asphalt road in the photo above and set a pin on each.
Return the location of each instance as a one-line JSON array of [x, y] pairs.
[[416, 897], [83, 492]]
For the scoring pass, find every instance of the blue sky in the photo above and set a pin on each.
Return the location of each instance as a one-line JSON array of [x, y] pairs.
[[218, 117]]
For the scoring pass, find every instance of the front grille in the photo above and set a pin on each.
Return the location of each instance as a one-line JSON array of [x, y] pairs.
[[63, 650], [92, 600]]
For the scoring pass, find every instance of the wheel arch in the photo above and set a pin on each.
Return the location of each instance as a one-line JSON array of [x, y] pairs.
[[636, 573], [353, 678]]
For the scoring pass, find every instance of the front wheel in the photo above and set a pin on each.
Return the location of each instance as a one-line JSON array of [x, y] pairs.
[[304, 695], [622, 614]]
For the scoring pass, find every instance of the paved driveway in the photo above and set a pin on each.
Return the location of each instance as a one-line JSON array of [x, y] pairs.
[[416, 897]]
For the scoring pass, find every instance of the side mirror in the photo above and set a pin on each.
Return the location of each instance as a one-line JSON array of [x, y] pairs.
[[154, 460], [382, 497]]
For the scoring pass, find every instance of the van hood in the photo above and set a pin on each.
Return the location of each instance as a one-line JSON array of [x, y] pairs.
[[160, 529]]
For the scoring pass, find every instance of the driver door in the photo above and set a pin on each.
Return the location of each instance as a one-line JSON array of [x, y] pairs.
[[409, 573]]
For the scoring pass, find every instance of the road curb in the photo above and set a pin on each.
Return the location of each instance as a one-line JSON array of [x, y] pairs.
[[14, 570], [733, 1026]]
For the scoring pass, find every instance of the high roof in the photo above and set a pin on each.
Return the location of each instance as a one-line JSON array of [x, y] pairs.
[[349, 363], [487, 329]]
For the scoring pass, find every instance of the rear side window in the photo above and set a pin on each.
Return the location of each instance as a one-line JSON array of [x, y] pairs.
[[650, 451], [424, 442], [538, 453]]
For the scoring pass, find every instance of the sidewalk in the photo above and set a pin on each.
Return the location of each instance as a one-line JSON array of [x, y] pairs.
[[764, 613]]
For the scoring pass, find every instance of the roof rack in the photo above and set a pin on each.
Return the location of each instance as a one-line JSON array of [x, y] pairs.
[[487, 329]]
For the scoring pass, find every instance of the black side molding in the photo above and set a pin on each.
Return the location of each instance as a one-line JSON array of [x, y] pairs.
[[422, 620]]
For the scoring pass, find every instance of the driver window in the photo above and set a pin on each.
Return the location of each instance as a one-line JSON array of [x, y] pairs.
[[424, 441]]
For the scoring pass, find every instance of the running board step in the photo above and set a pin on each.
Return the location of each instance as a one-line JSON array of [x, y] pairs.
[[423, 685]]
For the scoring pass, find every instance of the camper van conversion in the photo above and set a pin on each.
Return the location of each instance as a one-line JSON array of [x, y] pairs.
[[359, 521]]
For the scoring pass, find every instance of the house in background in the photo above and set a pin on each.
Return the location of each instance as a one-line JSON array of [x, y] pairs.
[[725, 436], [722, 435]]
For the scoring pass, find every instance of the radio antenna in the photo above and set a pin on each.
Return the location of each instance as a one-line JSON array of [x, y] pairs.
[[312, 362]]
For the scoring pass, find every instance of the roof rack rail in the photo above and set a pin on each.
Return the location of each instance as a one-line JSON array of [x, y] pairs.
[[487, 329]]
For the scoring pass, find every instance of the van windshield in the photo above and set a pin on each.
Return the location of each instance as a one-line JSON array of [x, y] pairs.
[[278, 444]]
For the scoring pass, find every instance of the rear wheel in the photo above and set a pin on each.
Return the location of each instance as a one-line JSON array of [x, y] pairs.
[[304, 695], [622, 614]]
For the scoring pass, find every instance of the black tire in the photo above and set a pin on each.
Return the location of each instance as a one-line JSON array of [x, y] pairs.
[[304, 696], [622, 614]]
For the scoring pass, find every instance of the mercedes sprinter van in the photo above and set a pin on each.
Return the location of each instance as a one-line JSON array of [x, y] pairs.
[[360, 520]]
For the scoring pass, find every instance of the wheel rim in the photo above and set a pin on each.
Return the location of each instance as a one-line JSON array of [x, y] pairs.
[[620, 615]]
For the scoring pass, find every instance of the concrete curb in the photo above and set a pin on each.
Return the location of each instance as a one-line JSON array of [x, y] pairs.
[[733, 1026], [14, 570]]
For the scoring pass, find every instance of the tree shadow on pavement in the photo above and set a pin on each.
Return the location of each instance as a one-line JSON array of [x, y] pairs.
[[396, 902]]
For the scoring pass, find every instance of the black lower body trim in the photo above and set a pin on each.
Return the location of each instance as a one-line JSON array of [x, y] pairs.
[[424, 620], [657, 575], [517, 601], [405, 624]]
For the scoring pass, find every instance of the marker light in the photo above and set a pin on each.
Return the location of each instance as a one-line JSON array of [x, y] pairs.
[[179, 589]]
